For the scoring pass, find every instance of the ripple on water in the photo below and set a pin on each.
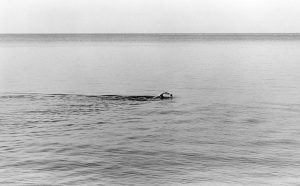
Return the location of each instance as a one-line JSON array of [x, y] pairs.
[[76, 139]]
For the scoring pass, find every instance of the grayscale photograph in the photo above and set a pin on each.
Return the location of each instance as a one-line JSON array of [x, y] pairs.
[[150, 92]]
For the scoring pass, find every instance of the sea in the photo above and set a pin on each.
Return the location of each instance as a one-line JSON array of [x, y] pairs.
[[234, 119]]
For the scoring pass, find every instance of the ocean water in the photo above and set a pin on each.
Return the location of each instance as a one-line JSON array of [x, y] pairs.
[[234, 119]]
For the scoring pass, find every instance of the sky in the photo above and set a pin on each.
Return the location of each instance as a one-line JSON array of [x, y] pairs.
[[149, 16]]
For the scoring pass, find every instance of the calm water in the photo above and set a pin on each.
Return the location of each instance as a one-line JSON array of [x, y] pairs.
[[234, 119]]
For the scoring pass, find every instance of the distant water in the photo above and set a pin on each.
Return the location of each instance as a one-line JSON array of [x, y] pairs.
[[234, 119]]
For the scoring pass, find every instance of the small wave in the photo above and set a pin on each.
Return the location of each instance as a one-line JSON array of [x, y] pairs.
[[253, 121], [16, 96]]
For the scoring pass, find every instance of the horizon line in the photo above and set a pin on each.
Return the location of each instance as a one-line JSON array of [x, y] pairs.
[[158, 33]]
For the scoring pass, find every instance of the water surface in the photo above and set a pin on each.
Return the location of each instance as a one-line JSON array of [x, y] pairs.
[[233, 121]]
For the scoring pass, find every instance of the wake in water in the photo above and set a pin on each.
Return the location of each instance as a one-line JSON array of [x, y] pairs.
[[162, 96]]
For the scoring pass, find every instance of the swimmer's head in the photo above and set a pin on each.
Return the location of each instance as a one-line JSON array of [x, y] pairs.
[[166, 95]]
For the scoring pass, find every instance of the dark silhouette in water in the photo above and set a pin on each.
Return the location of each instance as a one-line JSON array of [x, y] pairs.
[[164, 95]]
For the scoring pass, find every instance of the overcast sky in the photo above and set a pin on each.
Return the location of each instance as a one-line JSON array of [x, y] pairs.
[[149, 16]]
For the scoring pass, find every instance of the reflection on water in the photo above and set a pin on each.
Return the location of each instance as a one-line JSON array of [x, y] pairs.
[[233, 120]]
